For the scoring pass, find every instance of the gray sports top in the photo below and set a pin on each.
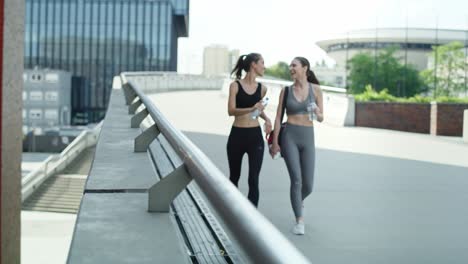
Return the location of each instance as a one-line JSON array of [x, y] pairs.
[[294, 107]]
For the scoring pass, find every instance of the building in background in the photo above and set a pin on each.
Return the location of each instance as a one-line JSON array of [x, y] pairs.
[[46, 99], [330, 76], [219, 60], [414, 44], [96, 40]]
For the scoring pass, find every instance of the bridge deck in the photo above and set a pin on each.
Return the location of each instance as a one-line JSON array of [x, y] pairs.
[[113, 225], [379, 196]]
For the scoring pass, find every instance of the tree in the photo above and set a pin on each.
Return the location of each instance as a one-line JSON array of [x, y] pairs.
[[383, 72], [447, 76], [279, 70]]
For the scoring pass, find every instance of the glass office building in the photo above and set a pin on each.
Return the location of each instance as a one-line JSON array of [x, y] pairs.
[[97, 39]]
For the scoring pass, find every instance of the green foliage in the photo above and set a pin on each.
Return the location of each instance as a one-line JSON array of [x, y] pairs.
[[387, 73], [279, 70], [448, 76], [371, 95]]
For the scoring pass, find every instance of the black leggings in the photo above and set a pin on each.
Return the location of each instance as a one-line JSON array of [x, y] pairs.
[[246, 140]]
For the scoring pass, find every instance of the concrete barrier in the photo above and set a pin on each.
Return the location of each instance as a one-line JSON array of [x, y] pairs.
[[465, 126]]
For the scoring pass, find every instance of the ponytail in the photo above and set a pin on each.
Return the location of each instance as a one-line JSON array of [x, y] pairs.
[[243, 64], [310, 74], [237, 71], [311, 77]]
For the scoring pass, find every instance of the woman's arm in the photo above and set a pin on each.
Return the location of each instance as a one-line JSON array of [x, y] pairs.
[[263, 115], [319, 101], [275, 146]]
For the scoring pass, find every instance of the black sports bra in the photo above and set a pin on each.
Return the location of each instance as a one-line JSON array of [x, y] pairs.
[[245, 100]]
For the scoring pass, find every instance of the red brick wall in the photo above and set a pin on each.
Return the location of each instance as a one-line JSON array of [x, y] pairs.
[[409, 117], [449, 119], [445, 119]]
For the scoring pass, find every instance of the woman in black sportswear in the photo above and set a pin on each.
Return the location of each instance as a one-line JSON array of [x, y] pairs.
[[245, 95]]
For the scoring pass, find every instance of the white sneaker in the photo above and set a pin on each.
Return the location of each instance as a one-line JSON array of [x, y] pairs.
[[298, 228]]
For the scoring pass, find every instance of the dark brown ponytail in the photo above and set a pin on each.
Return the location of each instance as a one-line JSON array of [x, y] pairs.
[[243, 64], [310, 74]]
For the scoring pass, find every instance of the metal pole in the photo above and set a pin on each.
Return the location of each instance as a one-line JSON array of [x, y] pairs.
[[406, 56], [435, 56], [465, 63], [347, 58], [375, 53]]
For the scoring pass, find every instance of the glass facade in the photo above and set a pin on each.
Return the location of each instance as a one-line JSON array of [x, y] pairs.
[[379, 45], [97, 39]]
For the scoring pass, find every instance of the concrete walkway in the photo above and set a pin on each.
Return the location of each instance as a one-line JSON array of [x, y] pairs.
[[379, 196]]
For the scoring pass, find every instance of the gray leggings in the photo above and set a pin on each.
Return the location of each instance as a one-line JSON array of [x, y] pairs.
[[298, 150]]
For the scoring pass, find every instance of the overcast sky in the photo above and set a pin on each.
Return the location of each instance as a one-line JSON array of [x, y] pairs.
[[282, 29]]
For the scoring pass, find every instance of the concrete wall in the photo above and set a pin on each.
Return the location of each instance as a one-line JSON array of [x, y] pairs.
[[11, 48], [396, 116]]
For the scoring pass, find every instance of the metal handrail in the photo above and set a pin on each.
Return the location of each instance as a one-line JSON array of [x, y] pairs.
[[287, 83], [260, 240]]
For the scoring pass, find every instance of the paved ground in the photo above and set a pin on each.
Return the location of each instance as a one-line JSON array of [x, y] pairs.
[[379, 197]]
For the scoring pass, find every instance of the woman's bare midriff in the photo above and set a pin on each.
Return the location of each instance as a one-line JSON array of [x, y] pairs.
[[245, 121], [299, 120]]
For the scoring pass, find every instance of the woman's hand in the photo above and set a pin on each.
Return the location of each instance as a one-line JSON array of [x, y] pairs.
[[274, 148], [259, 106], [318, 114], [317, 111]]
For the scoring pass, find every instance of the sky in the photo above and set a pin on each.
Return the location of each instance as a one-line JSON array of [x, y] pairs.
[[283, 29]]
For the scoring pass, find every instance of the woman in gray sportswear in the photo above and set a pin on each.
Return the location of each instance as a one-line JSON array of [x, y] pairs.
[[297, 144]]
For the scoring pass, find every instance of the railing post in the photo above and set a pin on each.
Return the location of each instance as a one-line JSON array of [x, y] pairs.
[[161, 195], [138, 118], [143, 140], [465, 126], [129, 93], [134, 106]]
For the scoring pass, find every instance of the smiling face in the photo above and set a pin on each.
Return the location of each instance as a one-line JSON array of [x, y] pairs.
[[258, 66], [296, 70]]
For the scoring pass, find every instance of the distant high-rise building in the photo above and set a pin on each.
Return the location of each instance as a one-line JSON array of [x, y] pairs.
[[219, 60], [96, 40]]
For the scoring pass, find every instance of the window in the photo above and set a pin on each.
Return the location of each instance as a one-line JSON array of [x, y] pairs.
[[25, 77], [25, 96], [24, 114], [51, 114], [51, 96], [51, 77], [35, 96], [339, 80], [35, 114], [36, 77]]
